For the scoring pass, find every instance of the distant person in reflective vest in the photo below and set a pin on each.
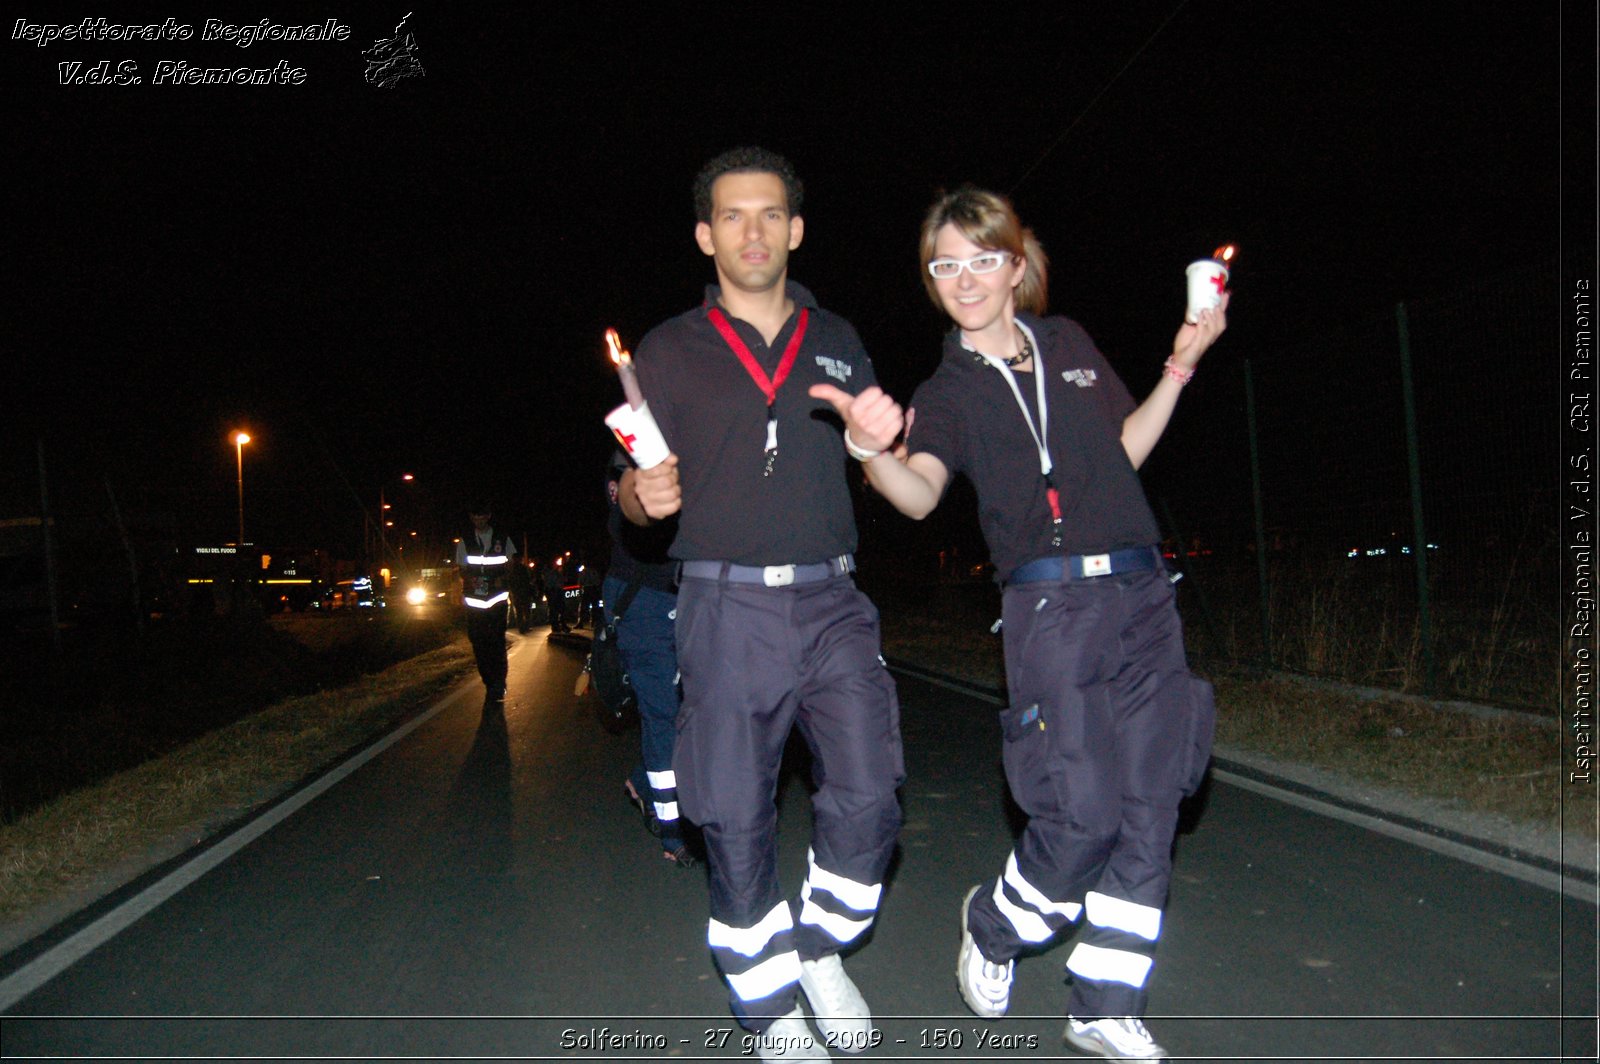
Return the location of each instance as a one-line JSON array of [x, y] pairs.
[[484, 557]]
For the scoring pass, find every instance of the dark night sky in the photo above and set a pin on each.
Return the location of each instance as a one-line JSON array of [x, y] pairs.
[[418, 279]]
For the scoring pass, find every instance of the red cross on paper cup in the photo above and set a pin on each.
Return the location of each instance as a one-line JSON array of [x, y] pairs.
[[639, 434], [1208, 279]]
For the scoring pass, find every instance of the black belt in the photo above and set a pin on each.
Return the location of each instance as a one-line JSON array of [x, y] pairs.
[[771, 575], [1086, 566]]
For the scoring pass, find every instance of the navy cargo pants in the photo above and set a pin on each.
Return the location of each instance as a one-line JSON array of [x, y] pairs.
[[486, 630], [756, 662], [1106, 731]]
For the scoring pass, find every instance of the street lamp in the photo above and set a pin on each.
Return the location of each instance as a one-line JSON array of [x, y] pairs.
[[239, 440], [384, 524]]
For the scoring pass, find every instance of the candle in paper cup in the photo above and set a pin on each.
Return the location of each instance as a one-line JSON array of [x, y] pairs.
[[637, 431], [624, 363], [1208, 278]]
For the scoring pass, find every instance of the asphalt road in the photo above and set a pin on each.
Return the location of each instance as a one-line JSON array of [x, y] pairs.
[[479, 890]]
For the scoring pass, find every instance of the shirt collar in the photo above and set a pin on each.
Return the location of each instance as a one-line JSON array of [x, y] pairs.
[[958, 350], [792, 289]]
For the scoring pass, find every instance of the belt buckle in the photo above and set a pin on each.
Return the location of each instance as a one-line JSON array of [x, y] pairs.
[[1096, 564], [778, 575]]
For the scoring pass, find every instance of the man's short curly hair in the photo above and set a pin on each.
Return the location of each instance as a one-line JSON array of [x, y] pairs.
[[748, 160]]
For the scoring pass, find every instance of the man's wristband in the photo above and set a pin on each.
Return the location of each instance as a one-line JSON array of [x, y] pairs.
[[859, 453]]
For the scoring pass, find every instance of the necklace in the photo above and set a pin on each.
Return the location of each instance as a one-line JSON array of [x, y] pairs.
[[1015, 360]]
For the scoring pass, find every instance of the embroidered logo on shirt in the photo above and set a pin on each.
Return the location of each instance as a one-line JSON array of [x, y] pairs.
[[839, 371], [1083, 378]]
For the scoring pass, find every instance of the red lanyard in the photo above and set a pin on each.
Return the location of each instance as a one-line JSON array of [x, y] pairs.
[[769, 387]]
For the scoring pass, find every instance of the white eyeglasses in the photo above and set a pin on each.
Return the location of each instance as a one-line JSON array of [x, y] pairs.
[[987, 262]]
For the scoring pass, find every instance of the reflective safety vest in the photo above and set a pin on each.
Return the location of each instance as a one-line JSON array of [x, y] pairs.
[[485, 578]]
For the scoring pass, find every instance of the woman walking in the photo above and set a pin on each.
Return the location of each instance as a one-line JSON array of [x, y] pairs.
[[1107, 729]]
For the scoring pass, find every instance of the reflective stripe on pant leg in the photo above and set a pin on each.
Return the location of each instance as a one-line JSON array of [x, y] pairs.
[[664, 785], [841, 907], [1119, 940], [758, 961], [1034, 917]]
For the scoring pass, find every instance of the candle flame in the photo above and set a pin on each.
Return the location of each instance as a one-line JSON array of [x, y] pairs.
[[1225, 254], [618, 355]]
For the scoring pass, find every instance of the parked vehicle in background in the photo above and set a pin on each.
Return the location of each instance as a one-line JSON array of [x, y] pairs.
[[356, 593], [431, 589]]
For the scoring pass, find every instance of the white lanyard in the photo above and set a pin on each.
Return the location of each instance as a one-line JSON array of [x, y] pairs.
[[1041, 433]]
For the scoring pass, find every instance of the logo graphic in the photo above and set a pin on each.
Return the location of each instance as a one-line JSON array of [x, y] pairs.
[[394, 59], [1083, 378], [839, 371]]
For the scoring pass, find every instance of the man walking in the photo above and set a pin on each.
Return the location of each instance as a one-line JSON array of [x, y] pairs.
[[555, 593], [772, 633], [484, 557]]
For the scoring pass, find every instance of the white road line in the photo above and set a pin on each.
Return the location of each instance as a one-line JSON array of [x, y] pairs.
[[69, 951], [1572, 886], [58, 958]]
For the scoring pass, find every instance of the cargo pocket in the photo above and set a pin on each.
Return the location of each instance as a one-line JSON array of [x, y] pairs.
[[1202, 723], [1029, 760]]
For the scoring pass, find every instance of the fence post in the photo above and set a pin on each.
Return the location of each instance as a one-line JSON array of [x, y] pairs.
[[1261, 525], [1419, 548], [51, 581], [133, 558]]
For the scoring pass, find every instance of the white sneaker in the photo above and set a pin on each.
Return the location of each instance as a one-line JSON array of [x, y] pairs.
[[789, 1039], [837, 1006], [985, 985], [1114, 1037]]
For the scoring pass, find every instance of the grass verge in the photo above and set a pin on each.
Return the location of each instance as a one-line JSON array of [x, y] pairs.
[[62, 855], [64, 852], [1508, 767]]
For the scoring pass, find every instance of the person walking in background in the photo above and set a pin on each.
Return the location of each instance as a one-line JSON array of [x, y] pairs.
[[484, 559], [772, 633], [555, 595], [522, 596], [590, 579], [641, 595], [1107, 729]]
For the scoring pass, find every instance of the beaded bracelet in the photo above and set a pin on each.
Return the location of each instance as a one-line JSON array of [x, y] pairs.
[[1175, 371], [859, 453]]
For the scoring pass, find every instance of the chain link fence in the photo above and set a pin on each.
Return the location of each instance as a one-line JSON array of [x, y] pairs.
[[1405, 480]]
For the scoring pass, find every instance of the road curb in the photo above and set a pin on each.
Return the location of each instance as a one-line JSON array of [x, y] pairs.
[[1576, 880]]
